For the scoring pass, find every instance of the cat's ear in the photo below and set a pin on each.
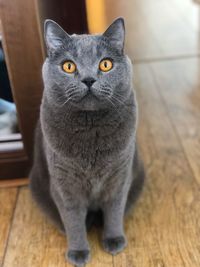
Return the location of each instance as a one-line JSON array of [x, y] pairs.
[[116, 33], [54, 35]]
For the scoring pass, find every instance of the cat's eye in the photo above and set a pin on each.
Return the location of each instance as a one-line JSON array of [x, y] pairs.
[[105, 65], [69, 66]]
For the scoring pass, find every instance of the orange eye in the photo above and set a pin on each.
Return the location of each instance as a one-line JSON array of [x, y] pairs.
[[69, 67], [105, 65]]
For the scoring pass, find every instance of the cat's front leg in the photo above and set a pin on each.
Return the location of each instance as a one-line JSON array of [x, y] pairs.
[[114, 239], [73, 216], [78, 248]]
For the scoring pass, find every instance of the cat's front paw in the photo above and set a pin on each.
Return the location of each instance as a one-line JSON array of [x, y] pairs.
[[78, 257], [115, 244]]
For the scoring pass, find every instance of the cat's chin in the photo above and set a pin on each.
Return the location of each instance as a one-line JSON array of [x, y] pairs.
[[90, 103], [87, 106]]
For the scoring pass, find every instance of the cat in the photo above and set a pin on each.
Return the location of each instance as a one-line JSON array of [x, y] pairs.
[[86, 161]]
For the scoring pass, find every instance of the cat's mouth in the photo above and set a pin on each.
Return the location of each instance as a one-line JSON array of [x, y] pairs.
[[89, 101], [89, 95]]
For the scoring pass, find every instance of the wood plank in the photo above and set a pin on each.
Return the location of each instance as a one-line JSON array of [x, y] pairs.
[[13, 163], [174, 192], [163, 228], [189, 11], [42, 245], [140, 41], [33, 242], [158, 29], [7, 204], [180, 90], [14, 182], [23, 53]]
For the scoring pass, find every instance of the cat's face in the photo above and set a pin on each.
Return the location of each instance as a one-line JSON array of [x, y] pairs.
[[88, 72]]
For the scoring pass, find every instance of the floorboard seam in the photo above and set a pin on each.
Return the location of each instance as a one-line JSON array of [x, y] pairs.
[[160, 59], [10, 228], [173, 126]]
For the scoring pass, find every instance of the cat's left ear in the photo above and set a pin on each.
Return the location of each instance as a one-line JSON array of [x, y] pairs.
[[116, 33], [54, 35]]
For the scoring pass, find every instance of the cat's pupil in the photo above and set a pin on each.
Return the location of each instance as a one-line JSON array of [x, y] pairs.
[[69, 66], [105, 64]]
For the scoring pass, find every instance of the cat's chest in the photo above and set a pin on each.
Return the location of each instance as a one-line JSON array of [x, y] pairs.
[[95, 147], [91, 139], [92, 184]]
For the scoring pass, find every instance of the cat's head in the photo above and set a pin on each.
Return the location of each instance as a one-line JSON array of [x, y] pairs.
[[88, 72]]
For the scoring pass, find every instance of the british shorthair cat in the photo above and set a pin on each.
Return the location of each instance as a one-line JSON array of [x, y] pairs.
[[86, 161]]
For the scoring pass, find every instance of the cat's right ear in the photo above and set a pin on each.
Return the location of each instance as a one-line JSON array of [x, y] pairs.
[[116, 33], [54, 35]]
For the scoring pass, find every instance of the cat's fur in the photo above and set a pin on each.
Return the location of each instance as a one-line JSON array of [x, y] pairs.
[[86, 158]]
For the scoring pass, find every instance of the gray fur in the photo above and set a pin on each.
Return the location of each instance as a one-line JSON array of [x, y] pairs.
[[86, 157]]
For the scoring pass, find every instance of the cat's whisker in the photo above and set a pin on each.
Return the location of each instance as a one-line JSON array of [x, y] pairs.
[[73, 93], [120, 96], [121, 103], [108, 92], [106, 86], [59, 85], [109, 100], [70, 89], [118, 99], [68, 99]]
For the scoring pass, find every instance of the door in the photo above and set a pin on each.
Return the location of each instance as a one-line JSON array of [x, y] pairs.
[[22, 33]]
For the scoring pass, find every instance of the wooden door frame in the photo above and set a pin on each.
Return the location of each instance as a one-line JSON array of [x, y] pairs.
[[22, 28]]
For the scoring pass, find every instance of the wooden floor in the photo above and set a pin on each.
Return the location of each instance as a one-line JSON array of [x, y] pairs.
[[164, 229]]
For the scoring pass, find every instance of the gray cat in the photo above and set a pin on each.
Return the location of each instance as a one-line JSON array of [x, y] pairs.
[[86, 164]]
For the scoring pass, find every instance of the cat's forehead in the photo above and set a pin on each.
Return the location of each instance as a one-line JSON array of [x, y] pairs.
[[85, 40], [86, 45]]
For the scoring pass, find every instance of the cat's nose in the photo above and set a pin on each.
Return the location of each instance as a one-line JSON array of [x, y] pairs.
[[88, 81]]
